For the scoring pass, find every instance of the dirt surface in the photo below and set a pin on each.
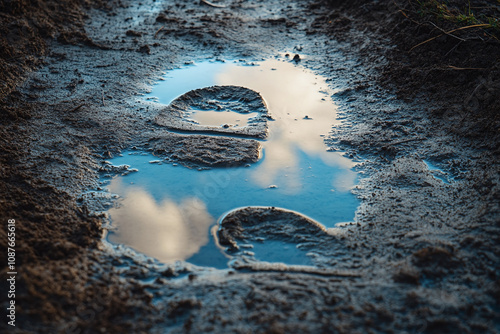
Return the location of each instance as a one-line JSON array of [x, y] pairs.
[[422, 255], [432, 51]]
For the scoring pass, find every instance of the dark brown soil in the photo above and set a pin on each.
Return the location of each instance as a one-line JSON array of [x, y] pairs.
[[51, 229], [425, 253], [431, 56], [27, 26]]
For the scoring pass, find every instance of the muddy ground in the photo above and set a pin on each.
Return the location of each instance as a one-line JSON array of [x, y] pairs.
[[422, 255]]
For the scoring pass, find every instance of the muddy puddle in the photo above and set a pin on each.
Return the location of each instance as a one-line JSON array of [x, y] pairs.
[[171, 212]]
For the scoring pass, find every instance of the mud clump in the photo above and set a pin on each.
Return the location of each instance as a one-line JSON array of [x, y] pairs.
[[179, 308], [269, 239], [435, 261], [219, 98]]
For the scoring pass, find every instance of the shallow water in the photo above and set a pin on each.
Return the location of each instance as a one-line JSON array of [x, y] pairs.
[[279, 251], [221, 118], [166, 211], [438, 173]]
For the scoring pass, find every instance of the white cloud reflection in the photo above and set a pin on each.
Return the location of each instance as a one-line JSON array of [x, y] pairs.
[[167, 231], [291, 93]]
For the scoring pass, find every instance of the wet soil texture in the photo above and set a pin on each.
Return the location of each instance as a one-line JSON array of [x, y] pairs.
[[421, 254]]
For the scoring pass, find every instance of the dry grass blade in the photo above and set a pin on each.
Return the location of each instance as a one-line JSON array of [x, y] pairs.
[[465, 68], [484, 25], [404, 14], [447, 33]]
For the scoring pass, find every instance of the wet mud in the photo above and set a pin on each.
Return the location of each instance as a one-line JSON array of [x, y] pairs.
[[198, 150], [420, 256]]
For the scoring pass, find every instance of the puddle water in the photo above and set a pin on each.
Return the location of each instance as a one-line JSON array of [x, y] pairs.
[[166, 211], [221, 118], [438, 173], [278, 251]]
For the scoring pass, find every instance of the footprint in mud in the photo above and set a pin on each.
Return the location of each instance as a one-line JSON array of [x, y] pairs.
[[213, 116], [233, 101], [268, 234]]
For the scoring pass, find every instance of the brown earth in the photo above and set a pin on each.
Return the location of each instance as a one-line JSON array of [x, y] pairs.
[[432, 57], [419, 265]]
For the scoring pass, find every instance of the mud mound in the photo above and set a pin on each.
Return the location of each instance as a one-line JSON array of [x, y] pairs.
[[219, 98]]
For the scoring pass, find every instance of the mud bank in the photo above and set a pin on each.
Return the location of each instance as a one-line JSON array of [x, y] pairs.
[[420, 257], [434, 51]]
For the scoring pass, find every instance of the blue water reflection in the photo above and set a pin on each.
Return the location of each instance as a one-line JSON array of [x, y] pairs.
[[296, 172]]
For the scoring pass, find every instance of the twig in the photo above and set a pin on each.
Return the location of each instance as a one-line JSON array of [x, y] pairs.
[[484, 25], [104, 104], [465, 68], [76, 108], [158, 31], [103, 65], [213, 4]]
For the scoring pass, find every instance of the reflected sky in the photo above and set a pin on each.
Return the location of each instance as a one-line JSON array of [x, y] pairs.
[[167, 210], [221, 118], [299, 102], [166, 230]]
